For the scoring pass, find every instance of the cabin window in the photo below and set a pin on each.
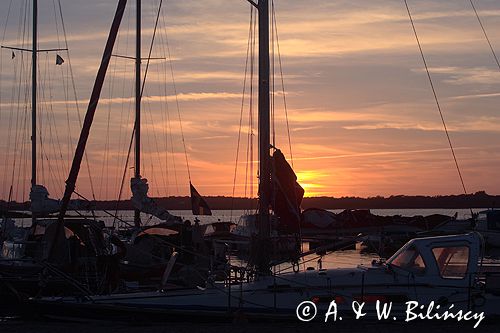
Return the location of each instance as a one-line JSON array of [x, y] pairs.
[[452, 262], [410, 260]]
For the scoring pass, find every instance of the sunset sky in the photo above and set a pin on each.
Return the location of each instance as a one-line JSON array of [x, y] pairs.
[[363, 120]]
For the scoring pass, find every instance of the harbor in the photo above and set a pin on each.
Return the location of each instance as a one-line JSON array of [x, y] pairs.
[[119, 208]]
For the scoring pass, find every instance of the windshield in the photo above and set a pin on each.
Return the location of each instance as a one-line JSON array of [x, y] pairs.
[[409, 260], [452, 262]]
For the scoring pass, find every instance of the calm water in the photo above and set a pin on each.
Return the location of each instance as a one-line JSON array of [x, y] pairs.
[[125, 218], [227, 215]]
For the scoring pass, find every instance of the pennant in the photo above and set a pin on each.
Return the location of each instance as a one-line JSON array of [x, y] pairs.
[[59, 60], [13, 55], [198, 205]]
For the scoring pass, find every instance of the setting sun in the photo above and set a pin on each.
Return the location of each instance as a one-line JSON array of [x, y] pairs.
[[311, 182]]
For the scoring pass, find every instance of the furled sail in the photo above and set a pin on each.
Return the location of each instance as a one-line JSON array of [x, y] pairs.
[[198, 205], [288, 193], [147, 205], [41, 203]]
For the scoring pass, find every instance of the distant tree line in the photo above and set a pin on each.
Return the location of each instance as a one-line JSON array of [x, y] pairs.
[[477, 200]]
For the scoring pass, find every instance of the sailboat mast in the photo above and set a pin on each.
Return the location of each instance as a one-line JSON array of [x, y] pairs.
[[33, 95], [264, 139], [137, 165]]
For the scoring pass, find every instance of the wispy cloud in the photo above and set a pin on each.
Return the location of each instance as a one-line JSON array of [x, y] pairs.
[[474, 96], [383, 153], [463, 75]]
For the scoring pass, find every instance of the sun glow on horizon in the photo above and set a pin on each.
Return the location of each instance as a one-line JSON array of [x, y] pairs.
[[310, 180]]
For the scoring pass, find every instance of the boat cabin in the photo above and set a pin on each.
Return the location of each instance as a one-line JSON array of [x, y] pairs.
[[451, 260]]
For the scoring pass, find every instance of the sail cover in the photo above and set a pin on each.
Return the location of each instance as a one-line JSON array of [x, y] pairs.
[[40, 203], [198, 205], [145, 204], [288, 193]]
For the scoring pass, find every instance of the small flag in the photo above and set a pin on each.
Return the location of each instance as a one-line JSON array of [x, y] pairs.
[[198, 205], [59, 60], [13, 55]]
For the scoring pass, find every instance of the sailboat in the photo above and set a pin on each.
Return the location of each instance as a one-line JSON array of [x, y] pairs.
[[40, 203], [150, 249], [28, 264]]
